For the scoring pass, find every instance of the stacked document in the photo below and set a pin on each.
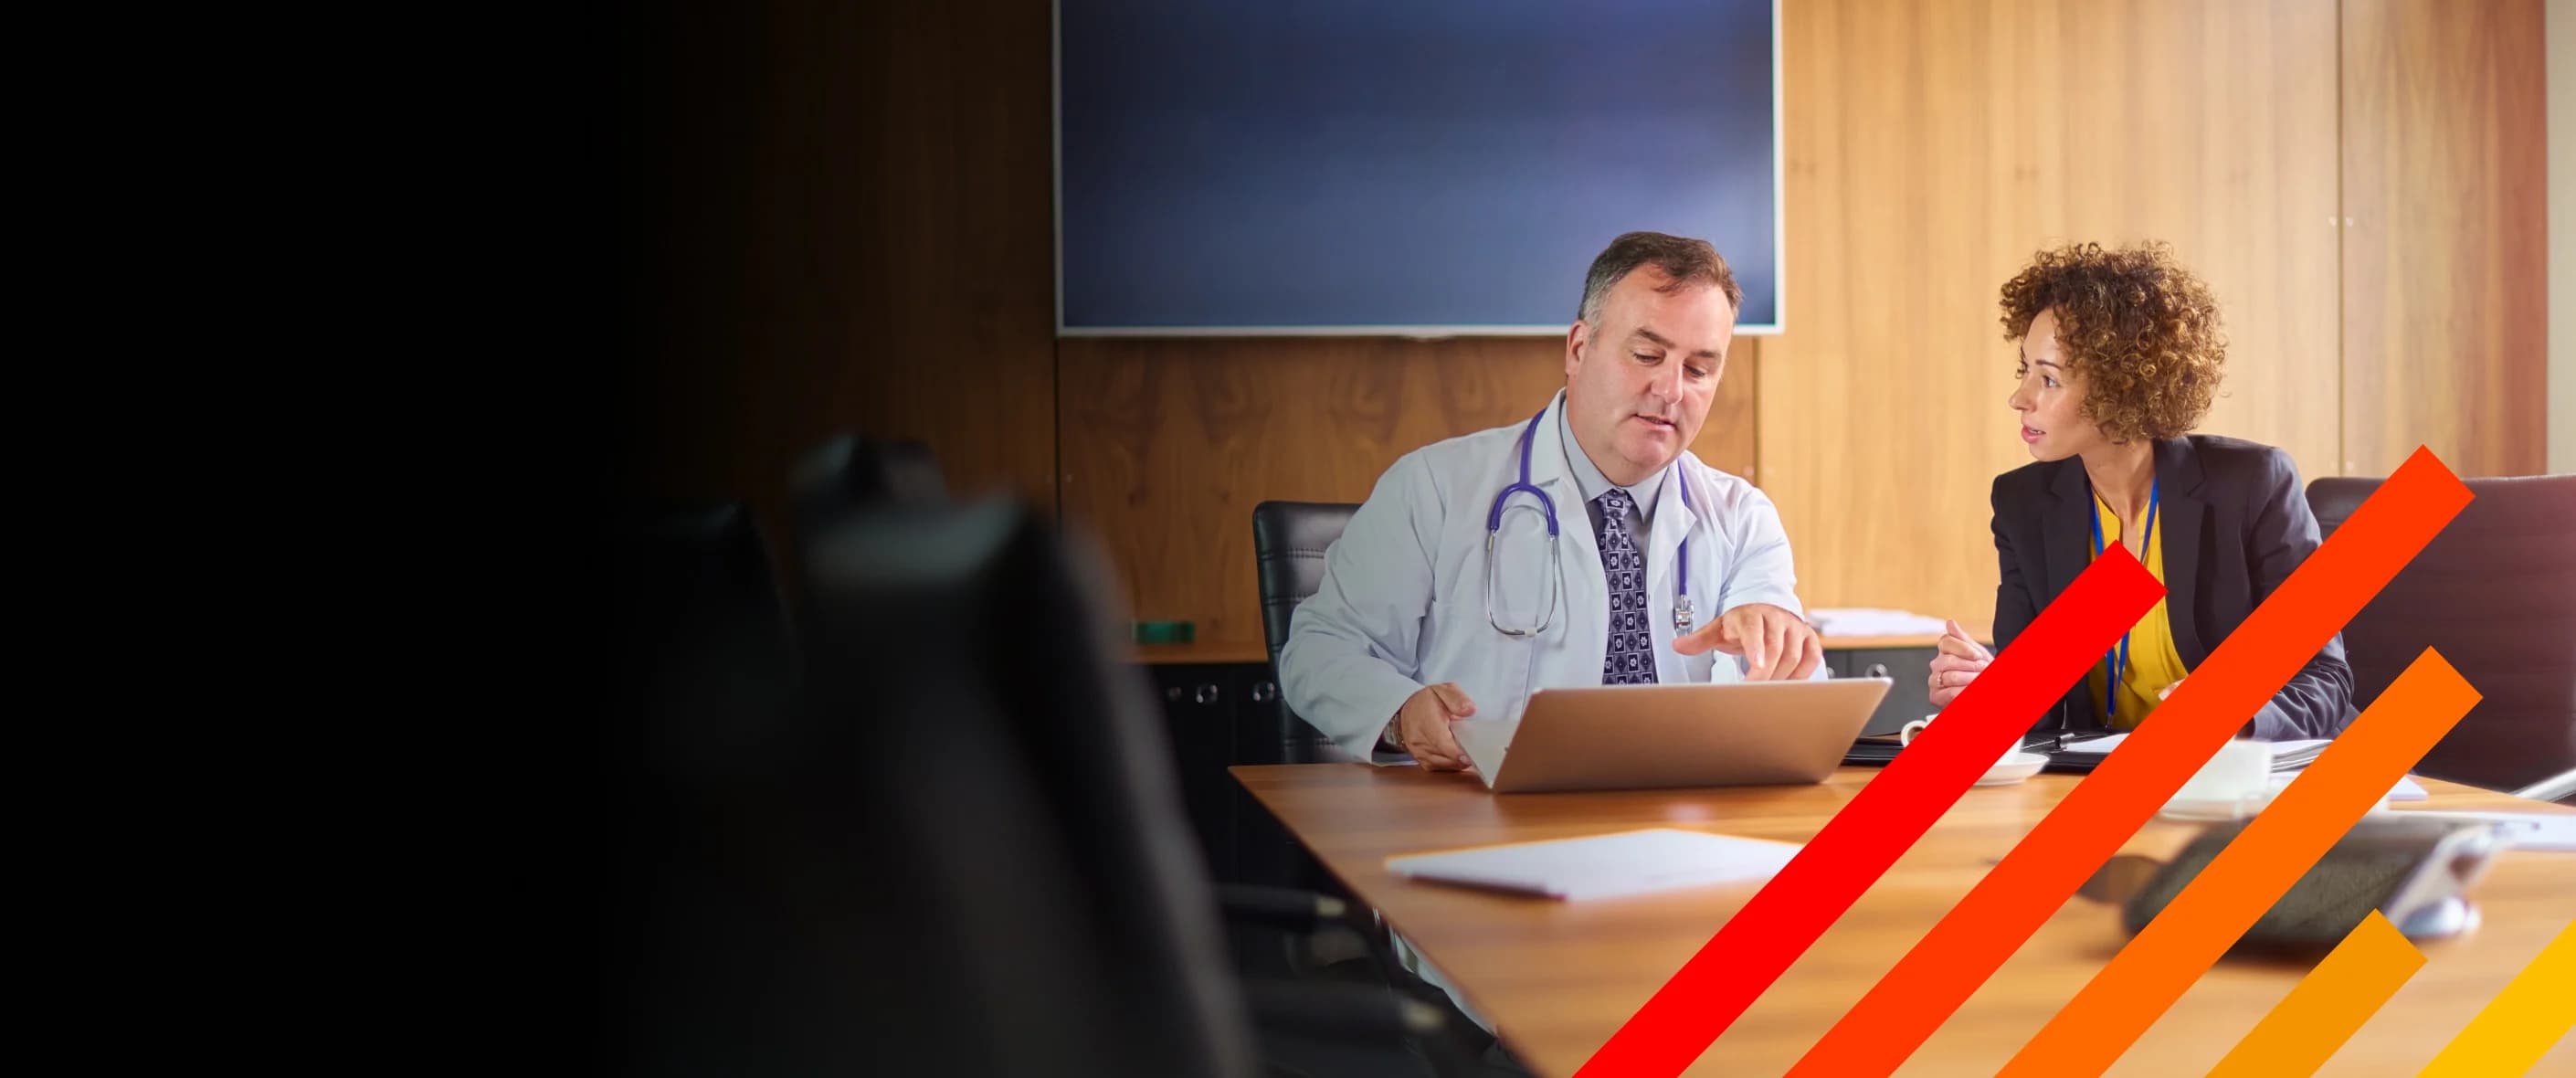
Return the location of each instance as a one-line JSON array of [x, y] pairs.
[[1604, 866], [2293, 755], [2286, 755]]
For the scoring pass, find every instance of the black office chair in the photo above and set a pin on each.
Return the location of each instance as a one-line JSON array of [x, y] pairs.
[[848, 471], [2495, 591], [696, 698], [695, 619], [1288, 544], [978, 836], [1289, 540]]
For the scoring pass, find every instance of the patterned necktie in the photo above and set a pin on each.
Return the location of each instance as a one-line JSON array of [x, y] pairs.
[[1630, 659]]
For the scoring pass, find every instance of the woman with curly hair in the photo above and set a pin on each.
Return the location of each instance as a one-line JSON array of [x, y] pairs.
[[2120, 355]]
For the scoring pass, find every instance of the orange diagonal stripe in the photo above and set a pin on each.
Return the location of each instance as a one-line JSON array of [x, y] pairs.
[[2332, 1001], [2017, 895], [2350, 778]]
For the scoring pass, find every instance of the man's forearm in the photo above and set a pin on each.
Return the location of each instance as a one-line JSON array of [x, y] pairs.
[[1349, 696]]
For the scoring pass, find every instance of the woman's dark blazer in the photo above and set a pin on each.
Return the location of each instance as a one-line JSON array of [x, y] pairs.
[[2234, 523]]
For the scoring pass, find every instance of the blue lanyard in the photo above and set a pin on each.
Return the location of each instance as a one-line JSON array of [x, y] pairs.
[[2120, 655]]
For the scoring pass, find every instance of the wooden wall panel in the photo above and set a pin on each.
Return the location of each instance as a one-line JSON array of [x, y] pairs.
[[1168, 444], [2446, 266], [1932, 147], [854, 208]]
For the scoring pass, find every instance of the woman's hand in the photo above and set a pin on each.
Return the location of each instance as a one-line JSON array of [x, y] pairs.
[[1960, 661]]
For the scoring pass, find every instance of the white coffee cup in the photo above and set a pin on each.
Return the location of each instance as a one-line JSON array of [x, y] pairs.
[[2238, 774], [1905, 736]]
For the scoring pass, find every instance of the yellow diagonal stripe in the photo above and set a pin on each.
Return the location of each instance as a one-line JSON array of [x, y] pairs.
[[2521, 1022], [2335, 998]]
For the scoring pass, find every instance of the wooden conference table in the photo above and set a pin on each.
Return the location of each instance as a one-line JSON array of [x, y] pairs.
[[1557, 978]]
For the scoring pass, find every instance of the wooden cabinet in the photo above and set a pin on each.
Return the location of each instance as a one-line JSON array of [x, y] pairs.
[[1216, 715]]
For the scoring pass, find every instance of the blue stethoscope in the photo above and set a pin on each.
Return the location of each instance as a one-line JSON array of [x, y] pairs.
[[2120, 655], [1494, 530]]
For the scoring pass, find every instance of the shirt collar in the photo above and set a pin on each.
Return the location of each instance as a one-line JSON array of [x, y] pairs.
[[1589, 481]]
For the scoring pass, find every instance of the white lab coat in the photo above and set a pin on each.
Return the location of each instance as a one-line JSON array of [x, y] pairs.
[[1402, 604]]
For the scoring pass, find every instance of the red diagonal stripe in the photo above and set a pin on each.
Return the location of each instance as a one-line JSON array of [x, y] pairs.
[[1880, 823], [2013, 899]]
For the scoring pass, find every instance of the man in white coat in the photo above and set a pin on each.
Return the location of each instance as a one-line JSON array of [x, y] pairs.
[[1445, 597]]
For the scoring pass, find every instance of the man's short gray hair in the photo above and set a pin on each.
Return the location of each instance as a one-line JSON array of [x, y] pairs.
[[1687, 261]]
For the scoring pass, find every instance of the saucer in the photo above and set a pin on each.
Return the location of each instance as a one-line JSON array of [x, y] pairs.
[[2013, 768]]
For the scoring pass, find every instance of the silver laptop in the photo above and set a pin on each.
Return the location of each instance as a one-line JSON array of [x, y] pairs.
[[1638, 737]]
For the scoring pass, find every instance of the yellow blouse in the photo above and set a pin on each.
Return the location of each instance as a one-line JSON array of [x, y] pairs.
[[2153, 662]]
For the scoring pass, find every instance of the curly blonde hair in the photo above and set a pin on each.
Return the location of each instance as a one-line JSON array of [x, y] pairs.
[[2141, 329]]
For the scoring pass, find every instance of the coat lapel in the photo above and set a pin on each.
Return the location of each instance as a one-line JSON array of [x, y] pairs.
[[2066, 539], [1587, 605], [2181, 516], [2067, 532], [1548, 472], [1673, 522]]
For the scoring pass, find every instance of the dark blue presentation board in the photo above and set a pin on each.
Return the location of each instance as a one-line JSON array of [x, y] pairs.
[[1402, 166]]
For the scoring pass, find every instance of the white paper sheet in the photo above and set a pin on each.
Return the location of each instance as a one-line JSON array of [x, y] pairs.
[[1605, 866]]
